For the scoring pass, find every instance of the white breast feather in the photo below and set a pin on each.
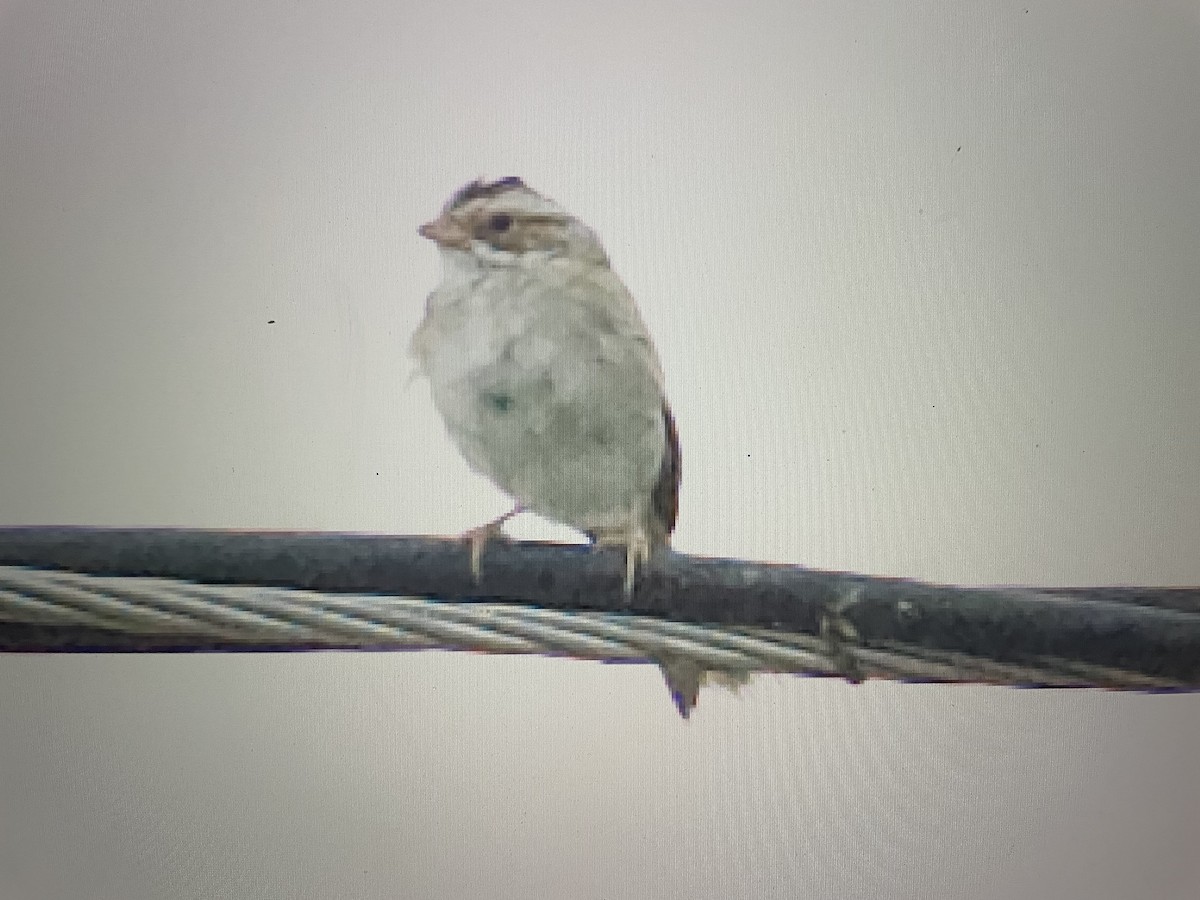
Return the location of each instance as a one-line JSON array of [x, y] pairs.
[[549, 385]]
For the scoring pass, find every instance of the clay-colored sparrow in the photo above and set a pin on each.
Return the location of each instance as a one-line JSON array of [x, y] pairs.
[[544, 372]]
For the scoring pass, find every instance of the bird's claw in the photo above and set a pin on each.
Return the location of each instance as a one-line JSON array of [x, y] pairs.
[[637, 552], [478, 537]]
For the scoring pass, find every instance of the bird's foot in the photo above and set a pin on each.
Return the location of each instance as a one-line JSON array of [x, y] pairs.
[[637, 551], [478, 537]]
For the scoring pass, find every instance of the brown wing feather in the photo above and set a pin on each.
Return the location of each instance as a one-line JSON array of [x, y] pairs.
[[665, 498]]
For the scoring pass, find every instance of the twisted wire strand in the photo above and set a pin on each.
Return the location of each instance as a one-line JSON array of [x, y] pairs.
[[281, 617]]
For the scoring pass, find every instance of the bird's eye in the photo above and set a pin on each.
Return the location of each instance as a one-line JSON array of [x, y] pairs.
[[500, 222]]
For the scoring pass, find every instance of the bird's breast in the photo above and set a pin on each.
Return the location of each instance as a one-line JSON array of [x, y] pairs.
[[557, 407]]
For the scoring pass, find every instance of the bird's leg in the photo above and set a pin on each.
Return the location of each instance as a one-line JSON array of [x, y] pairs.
[[637, 549], [637, 552], [480, 535]]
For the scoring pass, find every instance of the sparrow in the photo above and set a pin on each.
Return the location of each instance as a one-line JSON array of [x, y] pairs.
[[544, 373]]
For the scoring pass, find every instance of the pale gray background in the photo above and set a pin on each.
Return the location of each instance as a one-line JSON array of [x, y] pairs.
[[925, 278]]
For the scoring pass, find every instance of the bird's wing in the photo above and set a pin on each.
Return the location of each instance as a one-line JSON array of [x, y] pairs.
[[665, 498]]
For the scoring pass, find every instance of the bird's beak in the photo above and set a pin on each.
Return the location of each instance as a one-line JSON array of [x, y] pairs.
[[446, 232]]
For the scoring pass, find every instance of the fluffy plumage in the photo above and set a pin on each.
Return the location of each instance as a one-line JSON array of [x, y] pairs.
[[543, 370]]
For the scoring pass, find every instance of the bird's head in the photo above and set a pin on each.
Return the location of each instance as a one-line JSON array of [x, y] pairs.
[[506, 222]]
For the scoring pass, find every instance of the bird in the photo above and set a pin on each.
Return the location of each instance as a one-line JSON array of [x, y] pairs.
[[545, 374]]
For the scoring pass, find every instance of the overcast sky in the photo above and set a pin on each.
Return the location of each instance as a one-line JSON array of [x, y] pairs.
[[926, 284]]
